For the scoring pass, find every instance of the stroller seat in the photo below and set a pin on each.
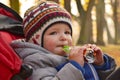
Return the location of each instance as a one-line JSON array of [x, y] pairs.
[[11, 65]]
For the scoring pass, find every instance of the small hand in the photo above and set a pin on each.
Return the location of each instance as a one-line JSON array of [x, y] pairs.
[[99, 60], [76, 54]]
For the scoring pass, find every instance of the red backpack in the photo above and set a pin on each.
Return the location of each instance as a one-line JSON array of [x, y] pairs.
[[11, 66]]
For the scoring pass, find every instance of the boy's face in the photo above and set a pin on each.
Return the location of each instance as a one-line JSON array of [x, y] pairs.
[[57, 36]]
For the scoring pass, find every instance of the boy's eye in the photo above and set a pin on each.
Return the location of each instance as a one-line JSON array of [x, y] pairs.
[[53, 33], [67, 32]]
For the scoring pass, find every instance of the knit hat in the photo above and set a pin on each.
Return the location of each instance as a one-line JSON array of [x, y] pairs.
[[40, 17]]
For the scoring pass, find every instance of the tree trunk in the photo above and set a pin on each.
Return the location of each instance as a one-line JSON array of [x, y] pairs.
[[15, 5], [67, 5], [100, 10], [85, 22], [115, 7]]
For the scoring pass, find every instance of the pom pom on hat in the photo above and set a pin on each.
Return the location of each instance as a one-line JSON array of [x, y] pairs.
[[40, 17]]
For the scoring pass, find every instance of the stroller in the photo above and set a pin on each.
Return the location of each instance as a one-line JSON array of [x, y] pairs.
[[11, 66]]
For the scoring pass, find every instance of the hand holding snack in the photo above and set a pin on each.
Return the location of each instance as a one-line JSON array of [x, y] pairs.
[[91, 53], [99, 60], [75, 53]]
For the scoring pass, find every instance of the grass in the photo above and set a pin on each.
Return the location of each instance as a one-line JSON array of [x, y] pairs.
[[113, 51]]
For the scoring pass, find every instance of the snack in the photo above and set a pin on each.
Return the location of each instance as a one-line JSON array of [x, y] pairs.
[[66, 49]]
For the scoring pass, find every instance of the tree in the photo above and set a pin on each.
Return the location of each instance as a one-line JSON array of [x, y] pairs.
[[101, 23], [67, 5], [15, 5], [116, 14], [85, 22]]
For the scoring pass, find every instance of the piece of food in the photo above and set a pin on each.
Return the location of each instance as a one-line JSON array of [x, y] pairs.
[[66, 49]]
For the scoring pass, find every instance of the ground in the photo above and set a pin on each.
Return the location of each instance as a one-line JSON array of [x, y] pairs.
[[113, 51]]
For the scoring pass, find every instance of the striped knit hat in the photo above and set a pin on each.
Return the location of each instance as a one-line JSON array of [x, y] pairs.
[[40, 17]]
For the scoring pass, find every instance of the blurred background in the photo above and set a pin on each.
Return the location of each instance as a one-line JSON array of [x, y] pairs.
[[94, 21]]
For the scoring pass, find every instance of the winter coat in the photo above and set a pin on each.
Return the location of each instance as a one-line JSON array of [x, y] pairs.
[[44, 64]]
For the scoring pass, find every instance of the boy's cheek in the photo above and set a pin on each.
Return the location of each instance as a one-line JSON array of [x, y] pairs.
[[70, 42]]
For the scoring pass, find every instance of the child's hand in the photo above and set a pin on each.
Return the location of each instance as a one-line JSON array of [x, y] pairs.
[[76, 54], [99, 60]]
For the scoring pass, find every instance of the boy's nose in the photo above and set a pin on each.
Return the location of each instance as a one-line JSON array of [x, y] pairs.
[[63, 37]]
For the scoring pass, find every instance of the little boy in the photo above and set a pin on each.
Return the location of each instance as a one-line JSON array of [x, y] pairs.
[[47, 28]]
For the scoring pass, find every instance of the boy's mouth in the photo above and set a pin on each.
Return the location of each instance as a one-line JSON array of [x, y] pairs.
[[62, 46]]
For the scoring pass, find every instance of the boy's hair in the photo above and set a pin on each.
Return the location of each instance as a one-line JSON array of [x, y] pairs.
[[40, 17]]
